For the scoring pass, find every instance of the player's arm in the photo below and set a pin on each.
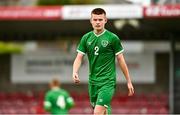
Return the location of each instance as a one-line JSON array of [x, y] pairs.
[[69, 101], [47, 104], [124, 68], [76, 66]]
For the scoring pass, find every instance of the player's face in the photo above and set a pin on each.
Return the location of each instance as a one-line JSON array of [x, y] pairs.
[[98, 21]]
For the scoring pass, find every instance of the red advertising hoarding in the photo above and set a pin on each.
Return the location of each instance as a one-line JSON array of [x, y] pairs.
[[30, 13], [161, 11], [69, 12]]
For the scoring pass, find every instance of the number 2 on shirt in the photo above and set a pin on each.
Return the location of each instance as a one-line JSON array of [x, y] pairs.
[[96, 48]]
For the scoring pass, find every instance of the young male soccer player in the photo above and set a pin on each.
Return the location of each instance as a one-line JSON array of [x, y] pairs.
[[57, 100], [101, 47]]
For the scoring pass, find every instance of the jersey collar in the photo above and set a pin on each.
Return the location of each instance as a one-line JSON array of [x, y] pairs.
[[55, 88], [100, 34]]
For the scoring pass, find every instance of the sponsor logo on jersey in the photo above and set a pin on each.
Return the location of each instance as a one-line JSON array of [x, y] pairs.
[[89, 43], [104, 43]]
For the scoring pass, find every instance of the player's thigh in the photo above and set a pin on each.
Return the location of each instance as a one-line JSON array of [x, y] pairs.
[[93, 94], [100, 110], [105, 96]]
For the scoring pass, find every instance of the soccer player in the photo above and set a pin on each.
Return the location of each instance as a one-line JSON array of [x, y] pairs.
[[57, 100], [101, 47]]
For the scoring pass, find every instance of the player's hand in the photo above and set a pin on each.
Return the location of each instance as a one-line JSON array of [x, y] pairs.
[[130, 88], [76, 78]]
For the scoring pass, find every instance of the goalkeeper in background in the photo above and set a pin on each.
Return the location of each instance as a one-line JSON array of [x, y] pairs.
[[57, 100]]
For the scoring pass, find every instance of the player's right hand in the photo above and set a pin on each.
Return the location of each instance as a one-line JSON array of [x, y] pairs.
[[76, 78]]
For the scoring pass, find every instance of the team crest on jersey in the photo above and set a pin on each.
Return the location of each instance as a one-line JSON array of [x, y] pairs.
[[104, 43]]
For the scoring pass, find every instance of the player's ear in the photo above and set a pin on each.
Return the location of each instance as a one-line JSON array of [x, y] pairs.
[[106, 19], [90, 20]]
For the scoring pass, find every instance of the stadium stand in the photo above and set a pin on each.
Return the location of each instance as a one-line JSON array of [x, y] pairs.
[[29, 103]]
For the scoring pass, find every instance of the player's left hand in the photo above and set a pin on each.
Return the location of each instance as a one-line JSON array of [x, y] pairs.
[[76, 78], [130, 88]]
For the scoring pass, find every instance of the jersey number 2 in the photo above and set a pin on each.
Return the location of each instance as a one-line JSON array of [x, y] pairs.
[[96, 50]]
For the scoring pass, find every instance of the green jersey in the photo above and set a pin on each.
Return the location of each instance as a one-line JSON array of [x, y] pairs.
[[58, 101], [101, 50]]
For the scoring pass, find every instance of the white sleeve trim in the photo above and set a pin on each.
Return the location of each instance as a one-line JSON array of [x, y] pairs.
[[47, 103], [70, 100], [80, 52], [119, 52]]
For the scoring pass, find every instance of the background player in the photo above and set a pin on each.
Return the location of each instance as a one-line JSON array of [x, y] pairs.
[[57, 100]]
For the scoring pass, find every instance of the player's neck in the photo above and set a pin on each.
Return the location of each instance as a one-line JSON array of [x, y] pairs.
[[97, 32], [55, 88]]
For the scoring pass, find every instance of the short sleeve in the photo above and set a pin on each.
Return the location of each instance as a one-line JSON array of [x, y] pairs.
[[47, 102], [69, 100], [117, 46], [82, 45]]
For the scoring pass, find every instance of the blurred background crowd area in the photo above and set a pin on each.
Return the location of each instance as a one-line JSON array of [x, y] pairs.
[[34, 49]]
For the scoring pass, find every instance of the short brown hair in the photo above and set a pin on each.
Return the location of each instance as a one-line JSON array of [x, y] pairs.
[[55, 82], [98, 11]]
